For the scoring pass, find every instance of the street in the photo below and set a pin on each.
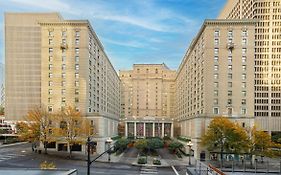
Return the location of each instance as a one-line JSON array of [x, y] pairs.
[[21, 156]]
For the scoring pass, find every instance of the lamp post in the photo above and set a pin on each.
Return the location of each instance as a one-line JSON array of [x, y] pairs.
[[108, 142], [189, 144]]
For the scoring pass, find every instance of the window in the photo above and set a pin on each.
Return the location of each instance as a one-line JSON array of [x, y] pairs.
[[51, 33], [216, 93], [63, 75], [229, 59], [216, 41], [216, 76], [50, 108], [244, 50], [63, 92], [50, 67], [229, 101], [243, 111], [50, 83], [76, 75], [244, 76], [77, 33], [216, 67], [76, 83], [230, 33], [229, 67], [217, 33], [63, 99], [63, 50], [50, 75], [63, 58], [50, 58], [50, 41], [216, 84], [244, 33], [244, 41], [230, 40], [63, 67], [216, 101], [76, 91], [63, 33], [243, 84], [244, 93], [243, 102], [76, 50], [50, 50], [244, 67], [229, 84], [76, 58], [63, 83], [76, 66], [63, 41], [76, 99], [77, 41], [229, 75], [244, 59], [50, 91], [216, 110], [216, 51], [216, 59], [229, 111], [229, 93]]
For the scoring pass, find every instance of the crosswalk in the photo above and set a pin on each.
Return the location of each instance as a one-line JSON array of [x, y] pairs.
[[4, 157], [145, 170]]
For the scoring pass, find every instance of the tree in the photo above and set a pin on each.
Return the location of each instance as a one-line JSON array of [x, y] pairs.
[[226, 136], [37, 128], [73, 127], [175, 145], [122, 143], [260, 143], [2, 110], [155, 143], [141, 144]]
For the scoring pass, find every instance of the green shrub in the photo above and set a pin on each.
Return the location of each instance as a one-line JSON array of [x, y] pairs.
[[142, 160], [121, 144], [155, 143], [175, 145], [156, 162], [141, 144], [184, 139], [116, 138]]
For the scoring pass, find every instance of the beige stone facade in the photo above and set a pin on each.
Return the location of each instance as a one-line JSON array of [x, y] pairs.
[[72, 69], [267, 56], [148, 100], [216, 78]]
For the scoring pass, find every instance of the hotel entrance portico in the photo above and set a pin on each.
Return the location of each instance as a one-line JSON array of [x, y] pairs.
[[148, 127]]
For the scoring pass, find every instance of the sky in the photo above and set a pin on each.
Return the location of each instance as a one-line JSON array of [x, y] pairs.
[[131, 31]]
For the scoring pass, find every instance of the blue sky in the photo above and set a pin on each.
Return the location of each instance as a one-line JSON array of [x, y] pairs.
[[132, 31]]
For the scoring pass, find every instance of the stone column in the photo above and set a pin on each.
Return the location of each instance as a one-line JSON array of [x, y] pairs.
[[126, 129], [163, 129], [135, 129], [153, 129], [172, 130], [144, 129]]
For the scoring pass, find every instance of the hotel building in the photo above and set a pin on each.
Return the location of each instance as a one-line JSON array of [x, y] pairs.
[[216, 78], [57, 63], [267, 88], [147, 100]]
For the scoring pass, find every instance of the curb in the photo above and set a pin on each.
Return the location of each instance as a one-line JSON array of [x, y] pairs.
[[149, 165], [12, 144]]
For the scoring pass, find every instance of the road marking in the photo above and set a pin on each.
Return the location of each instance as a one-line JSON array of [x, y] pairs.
[[176, 172]]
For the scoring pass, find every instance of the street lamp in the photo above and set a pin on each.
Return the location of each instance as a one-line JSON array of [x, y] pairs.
[[189, 144], [108, 142]]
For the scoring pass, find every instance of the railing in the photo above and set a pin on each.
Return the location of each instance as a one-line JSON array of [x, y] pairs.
[[203, 169]]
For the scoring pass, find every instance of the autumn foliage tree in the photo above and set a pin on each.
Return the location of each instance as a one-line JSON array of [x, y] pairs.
[[73, 127], [37, 128], [225, 136]]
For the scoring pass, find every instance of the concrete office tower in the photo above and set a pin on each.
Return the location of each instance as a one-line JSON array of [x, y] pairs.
[[267, 57], [148, 100], [23, 62], [216, 78], [69, 67], [2, 85]]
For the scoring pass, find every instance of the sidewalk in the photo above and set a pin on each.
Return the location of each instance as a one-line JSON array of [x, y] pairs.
[[12, 144]]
